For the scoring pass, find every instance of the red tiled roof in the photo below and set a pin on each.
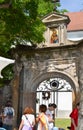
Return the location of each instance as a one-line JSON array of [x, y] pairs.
[[76, 21]]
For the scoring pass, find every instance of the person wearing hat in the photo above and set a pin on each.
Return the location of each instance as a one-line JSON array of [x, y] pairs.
[[51, 108]]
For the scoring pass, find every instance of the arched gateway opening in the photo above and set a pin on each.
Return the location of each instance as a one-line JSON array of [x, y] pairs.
[[57, 88]]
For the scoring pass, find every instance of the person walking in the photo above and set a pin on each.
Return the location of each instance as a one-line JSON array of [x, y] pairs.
[[42, 118], [28, 119], [8, 116], [74, 117], [51, 108]]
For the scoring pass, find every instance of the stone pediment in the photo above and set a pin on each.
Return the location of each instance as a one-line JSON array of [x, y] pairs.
[[54, 17]]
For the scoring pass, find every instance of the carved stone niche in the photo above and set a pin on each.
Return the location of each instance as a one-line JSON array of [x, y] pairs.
[[56, 32]]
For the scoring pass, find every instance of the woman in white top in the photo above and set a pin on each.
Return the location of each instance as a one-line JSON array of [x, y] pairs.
[[28, 119]]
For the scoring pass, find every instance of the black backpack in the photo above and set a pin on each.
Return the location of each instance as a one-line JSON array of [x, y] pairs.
[[10, 113]]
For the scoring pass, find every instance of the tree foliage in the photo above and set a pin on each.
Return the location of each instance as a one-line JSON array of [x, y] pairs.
[[20, 22]]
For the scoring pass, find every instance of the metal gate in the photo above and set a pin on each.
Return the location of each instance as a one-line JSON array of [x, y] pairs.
[[49, 91]]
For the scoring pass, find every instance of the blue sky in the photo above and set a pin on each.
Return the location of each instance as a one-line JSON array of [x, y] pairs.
[[72, 5]]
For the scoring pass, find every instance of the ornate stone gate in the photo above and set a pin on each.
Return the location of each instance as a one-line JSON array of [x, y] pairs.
[[36, 64]]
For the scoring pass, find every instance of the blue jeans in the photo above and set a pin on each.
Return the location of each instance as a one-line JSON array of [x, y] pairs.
[[7, 127]]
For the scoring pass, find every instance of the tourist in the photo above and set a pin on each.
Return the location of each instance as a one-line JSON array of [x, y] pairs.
[[74, 117], [51, 108], [28, 119], [8, 116], [42, 118]]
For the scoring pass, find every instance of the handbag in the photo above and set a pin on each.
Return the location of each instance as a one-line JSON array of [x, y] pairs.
[[29, 123]]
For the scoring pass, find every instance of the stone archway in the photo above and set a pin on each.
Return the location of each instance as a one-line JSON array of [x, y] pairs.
[[37, 64], [70, 80], [55, 92], [34, 64]]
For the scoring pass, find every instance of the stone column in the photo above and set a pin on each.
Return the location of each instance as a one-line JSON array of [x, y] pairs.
[[80, 72], [28, 93], [29, 99], [62, 33]]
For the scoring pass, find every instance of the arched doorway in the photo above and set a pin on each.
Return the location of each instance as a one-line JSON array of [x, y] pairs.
[[59, 89]]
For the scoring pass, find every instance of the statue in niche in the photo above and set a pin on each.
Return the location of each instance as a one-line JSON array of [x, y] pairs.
[[54, 36]]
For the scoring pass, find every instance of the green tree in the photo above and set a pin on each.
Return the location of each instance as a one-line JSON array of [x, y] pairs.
[[20, 22]]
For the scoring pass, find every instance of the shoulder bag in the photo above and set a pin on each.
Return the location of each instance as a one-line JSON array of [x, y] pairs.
[[32, 127]]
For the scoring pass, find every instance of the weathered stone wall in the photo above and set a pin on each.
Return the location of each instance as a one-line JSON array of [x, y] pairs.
[[80, 75]]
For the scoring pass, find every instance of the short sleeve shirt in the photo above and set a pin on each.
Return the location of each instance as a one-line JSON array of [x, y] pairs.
[[8, 121], [49, 113], [30, 119]]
